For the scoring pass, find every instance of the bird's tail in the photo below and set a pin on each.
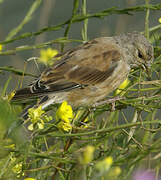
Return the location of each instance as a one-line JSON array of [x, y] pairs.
[[23, 94], [26, 94]]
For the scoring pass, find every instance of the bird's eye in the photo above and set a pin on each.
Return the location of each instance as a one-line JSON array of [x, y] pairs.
[[140, 55]]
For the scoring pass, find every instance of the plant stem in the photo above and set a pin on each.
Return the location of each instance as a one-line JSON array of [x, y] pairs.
[[147, 19]]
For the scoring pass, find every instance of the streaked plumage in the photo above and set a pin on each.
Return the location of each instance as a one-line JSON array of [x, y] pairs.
[[89, 72]]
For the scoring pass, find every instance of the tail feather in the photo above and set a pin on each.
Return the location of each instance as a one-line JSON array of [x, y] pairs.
[[24, 93]]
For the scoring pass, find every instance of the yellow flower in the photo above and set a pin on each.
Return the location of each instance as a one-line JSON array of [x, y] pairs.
[[37, 117], [16, 166], [105, 164], [29, 179], [46, 56], [87, 156], [1, 47], [122, 87], [64, 112], [160, 20], [65, 126], [35, 114], [117, 171], [114, 172], [17, 169], [39, 124], [11, 95]]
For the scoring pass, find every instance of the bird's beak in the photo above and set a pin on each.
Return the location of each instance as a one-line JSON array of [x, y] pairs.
[[147, 68]]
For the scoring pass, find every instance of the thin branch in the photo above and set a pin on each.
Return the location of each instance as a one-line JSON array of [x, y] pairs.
[[105, 130], [79, 18], [27, 18]]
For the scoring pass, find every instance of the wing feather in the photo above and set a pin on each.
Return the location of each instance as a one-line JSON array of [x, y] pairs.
[[86, 65]]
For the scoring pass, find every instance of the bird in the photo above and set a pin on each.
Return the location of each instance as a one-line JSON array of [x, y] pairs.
[[89, 72]]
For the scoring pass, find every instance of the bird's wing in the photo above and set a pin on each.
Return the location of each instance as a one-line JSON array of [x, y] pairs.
[[88, 64]]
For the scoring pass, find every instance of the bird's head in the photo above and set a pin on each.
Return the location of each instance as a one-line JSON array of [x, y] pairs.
[[142, 52]]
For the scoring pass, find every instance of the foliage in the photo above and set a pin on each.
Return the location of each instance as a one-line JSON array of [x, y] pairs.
[[102, 142]]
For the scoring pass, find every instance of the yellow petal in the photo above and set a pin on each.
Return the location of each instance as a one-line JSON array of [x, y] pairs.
[[35, 113], [105, 164], [1, 47], [109, 160], [17, 168], [160, 20], [11, 95], [64, 126], [122, 86], [40, 125], [88, 154], [30, 127], [117, 171], [46, 55], [64, 112]]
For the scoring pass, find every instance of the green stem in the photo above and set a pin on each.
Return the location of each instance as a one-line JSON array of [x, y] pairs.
[[105, 130], [38, 46], [85, 25], [16, 71], [74, 11], [27, 18], [147, 20], [79, 18]]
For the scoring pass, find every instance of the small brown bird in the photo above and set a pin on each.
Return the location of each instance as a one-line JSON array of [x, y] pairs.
[[88, 73]]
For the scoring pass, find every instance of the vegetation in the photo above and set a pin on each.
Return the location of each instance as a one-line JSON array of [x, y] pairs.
[[105, 142]]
